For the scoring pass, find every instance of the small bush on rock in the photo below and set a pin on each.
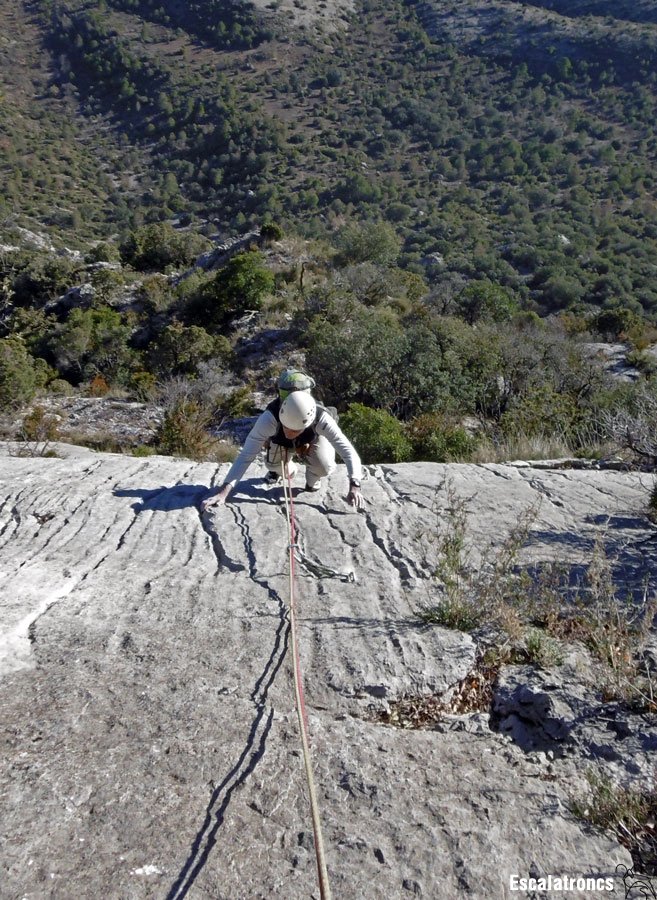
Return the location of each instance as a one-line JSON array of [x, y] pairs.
[[378, 436], [61, 387], [143, 450], [435, 439], [629, 813], [37, 432], [270, 232], [184, 430], [457, 613], [543, 650]]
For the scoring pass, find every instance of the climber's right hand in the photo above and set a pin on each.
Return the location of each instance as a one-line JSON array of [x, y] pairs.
[[217, 498]]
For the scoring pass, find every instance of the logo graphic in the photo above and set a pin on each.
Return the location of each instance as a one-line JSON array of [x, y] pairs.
[[637, 887]]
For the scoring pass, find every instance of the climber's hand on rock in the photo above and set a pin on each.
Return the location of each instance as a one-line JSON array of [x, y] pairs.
[[217, 498]]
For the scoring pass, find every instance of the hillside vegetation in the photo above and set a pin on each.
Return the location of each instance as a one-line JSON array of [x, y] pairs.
[[507, 141], [448, 206], [454, 371]]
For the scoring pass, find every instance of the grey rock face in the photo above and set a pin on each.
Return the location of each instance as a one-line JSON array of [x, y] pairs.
[[554, 711], [149, 744], [96, 418]]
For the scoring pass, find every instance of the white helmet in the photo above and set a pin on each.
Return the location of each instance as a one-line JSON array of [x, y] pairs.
[[297, 411]]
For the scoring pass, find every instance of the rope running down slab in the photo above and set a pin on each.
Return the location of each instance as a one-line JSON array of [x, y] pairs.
[[322, 872]]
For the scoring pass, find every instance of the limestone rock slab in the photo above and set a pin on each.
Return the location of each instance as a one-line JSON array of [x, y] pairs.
[[149, 744]]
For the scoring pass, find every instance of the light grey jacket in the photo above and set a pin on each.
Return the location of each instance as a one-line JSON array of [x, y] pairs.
[[266, 427]]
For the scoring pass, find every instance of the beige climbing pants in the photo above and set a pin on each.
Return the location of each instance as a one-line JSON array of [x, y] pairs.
[[318, 458]]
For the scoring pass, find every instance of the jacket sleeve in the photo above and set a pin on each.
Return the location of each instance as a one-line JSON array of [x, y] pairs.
[[328, 428], [265, 427]]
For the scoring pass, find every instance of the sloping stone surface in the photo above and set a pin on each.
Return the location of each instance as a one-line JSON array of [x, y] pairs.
[[562, 712], [149, 744]]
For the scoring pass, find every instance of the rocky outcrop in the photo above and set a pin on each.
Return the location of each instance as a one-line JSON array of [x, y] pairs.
[[150, 746], [98, 420], [557, 712], [222, 251]]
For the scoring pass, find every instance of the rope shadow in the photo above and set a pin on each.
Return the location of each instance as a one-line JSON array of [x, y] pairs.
[[256, 741], [207, 836]]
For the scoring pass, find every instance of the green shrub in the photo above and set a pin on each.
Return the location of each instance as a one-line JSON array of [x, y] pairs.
[[144, 384], [106, 284], [375, 242], [485, 300], [542, 650], [540, 411], [61, 387], [370, 358], [156, 246], [457, 613], [271, 231], [179, 349], [239, 403], [435, 439], [612, 323], [143, 450], [378, 436], [43, 278], [156, 294], [90, 342], [184, 430], [240, 286], [18, 374], [103, 252], [43, 373], [30, 324]]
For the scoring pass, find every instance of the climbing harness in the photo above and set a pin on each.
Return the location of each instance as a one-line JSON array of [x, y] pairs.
[[322, 873]]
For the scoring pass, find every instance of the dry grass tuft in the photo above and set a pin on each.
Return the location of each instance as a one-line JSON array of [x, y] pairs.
[[533, 612], [630, 814]]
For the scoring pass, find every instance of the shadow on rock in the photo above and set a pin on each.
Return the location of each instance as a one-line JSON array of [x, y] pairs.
[[164, 499], [183, 496], [628, 546]]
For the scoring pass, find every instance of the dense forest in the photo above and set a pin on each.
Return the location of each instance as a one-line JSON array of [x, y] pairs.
[[468, 191], [517, 146]]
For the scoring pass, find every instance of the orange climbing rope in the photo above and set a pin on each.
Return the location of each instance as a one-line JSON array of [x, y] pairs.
[[322, 872]]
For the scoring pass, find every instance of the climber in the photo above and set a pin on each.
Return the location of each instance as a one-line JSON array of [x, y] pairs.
[[295, 423]]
